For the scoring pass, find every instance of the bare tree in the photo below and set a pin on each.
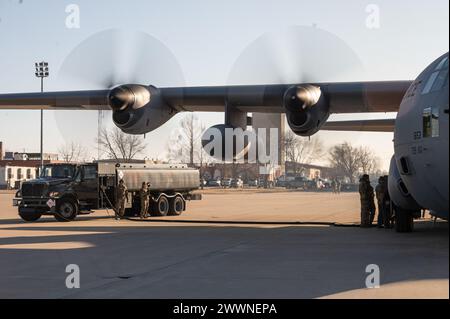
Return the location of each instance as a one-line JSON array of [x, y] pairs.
[[345, 159], [368, 162], [351, 161], [120, 146], [187, 147], [72, 152], [300, 150]]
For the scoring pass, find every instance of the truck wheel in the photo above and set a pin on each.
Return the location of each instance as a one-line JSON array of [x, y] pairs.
[[176, 206], [66, 210], [162, 207], [404, 221], [30, 217]]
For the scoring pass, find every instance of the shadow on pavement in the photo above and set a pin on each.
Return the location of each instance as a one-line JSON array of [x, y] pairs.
[[208, 261]]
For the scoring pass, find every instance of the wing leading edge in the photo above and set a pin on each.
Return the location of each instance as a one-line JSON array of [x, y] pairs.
[[354, 97], [70, 100]]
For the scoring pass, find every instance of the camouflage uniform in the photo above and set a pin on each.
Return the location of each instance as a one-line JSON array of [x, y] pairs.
[[145, 201], [380, 192], [122, 196], [367, 202]]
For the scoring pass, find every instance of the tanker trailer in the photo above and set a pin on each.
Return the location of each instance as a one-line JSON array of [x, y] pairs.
[[171, 186]]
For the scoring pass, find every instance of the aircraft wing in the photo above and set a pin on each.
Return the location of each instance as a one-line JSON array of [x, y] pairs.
[[355, 97], [385, 125], [71, 100]]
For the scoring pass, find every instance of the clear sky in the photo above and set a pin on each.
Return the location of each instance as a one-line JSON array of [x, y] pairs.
[[206, 38]]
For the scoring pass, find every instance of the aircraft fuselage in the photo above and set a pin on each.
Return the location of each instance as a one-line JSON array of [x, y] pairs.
[[421, 138]]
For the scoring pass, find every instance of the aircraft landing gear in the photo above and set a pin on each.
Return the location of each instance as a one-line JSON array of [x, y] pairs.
[[404, 220]]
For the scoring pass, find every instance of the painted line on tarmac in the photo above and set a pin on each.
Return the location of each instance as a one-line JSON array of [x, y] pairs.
[[232, 222]]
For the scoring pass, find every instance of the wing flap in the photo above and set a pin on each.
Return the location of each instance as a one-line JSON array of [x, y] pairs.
[[384, 125], [361, 97]]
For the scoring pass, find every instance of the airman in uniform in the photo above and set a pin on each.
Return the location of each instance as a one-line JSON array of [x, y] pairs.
[[338, 186], [380, 192], [333, 186], [145, 200], [367, 201], [387, 205], [122, 196]]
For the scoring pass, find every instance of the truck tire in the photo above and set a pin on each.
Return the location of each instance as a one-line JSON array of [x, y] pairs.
[[176, 206], [162, 207], [404, 221], [66, 211], [30, 217]]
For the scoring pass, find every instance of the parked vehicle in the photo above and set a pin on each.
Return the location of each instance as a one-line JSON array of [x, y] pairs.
[[300, 183], [265, 182], [311, 185], [237, 183], [283, 180], [253, 183], [226, 182], [348, 187], [214, 183], [67, 190], [326, 185]]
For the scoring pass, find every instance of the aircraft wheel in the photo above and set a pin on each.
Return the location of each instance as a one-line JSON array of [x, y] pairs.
[[404, 221]]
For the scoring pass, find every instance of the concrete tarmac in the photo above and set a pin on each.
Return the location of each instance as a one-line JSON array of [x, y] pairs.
[[159, 259]]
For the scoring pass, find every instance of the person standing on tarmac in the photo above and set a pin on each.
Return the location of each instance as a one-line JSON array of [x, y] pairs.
[[387, 204], [367, 201], [122, 196], [380, 192], [145, 200]]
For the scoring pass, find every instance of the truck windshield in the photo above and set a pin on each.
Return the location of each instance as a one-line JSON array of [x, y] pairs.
[[58, 171]]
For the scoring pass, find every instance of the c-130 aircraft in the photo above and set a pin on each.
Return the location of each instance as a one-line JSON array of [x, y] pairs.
[[418, 176]]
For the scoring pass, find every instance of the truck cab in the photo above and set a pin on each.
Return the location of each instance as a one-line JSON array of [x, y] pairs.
[[62, 190]]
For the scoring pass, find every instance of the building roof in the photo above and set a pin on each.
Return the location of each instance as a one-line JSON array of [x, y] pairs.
[[312, 166], [19, 163]]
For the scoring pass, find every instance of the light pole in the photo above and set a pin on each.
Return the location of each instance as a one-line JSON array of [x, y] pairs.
[[42, 72]]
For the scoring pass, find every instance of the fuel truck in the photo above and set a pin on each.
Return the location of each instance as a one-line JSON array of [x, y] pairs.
[[68, 190]]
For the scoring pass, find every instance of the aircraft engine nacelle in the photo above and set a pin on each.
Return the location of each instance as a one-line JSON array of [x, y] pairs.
[[139, 109], [398, 191], [307, 109], [227, 143]]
